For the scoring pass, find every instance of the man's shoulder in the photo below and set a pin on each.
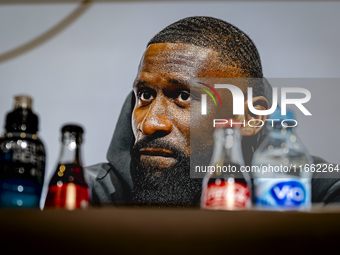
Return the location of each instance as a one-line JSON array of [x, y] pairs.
[[106, 185], [325, 183]]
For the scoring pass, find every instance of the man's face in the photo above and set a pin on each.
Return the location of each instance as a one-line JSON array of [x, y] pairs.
[[161, 117]]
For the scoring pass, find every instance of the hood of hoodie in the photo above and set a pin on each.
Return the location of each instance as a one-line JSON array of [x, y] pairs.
[[122, 141]]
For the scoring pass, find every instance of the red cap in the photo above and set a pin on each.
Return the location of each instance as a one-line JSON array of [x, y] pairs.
[[227, 123]]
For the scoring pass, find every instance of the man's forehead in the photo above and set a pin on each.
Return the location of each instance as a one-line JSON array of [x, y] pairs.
[[186, 60], [178, 50], [176, 58]]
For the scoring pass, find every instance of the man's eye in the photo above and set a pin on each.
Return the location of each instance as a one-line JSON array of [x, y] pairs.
[[183, 97], [145, 96]]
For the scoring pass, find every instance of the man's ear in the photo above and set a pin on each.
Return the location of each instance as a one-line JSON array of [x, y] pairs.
[[259, 103]]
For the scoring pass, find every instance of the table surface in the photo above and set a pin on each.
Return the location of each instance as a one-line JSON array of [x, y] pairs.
[[169, 230]]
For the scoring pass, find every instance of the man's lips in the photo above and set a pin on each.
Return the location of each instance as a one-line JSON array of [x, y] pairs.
[[157, 157], [156, 152]]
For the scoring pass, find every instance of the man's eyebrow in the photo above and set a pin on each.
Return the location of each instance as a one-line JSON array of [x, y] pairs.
[[178, 81], [173, 81], [139, 83]]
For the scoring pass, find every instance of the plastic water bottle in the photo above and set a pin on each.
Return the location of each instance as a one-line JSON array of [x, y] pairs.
[[281, 182]]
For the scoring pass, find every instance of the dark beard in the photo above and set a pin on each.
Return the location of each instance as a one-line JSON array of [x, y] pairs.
[[163, 187]]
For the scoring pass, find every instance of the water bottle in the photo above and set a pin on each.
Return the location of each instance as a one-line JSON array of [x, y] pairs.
[[281, 181]]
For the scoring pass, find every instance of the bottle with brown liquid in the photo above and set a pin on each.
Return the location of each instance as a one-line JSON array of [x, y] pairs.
[[68, 188], [226, 186]]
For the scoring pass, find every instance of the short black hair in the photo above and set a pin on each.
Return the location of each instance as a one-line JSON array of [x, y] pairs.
[[233, 46]]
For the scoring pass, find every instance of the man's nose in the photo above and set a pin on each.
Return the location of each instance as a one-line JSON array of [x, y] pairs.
[[156, 123]]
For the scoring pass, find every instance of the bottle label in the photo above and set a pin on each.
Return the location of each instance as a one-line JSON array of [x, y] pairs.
[[283, 194], [67, 196], [68, 188], [226, 196], [22, 168], [22, 157]]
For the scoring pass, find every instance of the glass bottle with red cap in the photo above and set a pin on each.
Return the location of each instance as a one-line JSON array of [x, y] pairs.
[[68, 188], [226, 186]]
